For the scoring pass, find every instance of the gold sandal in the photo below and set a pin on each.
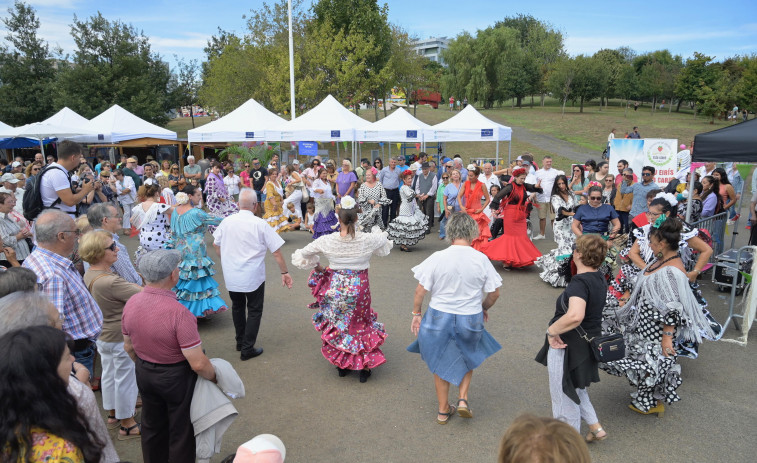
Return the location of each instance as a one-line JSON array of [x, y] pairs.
[[464, 411], [452, 410]]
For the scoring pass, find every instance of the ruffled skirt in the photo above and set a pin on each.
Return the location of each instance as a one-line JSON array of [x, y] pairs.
[[408, 230], [452, 345], [350, 332], [484, 233], [555, 265], [513, 248], [196, 288]]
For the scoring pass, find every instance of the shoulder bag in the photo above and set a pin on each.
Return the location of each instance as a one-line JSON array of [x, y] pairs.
[[604, 348]]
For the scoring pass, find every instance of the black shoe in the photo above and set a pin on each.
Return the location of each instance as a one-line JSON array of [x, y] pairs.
[[343, 372], [254, 353], [239, 348], [364, 374]]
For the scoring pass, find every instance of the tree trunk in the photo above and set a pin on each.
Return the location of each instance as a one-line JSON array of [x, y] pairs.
[[192, 115], [654, 103], [519, 101], [564, 100], [678, 106], [601, 101], [542, 100], [385, 104], [532, 100], [625, 113], [670, 106], [375, 108], [582, 105]]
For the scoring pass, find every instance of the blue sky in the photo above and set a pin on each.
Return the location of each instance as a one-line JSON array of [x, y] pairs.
[[718, 29]]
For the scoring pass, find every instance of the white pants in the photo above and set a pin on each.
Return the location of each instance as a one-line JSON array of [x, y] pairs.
[[563, 407], [119, 382], [295, 197], [127, 215]]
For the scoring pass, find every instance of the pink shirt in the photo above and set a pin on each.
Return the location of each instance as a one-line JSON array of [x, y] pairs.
[[159, 326], [245, 176], [619, 178]]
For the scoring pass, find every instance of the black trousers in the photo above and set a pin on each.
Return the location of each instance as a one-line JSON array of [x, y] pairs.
[[247, 324], [167, 431], [388, 213], [427, 206], [497, 228]]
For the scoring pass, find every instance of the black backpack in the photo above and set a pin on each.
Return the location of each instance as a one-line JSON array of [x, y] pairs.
[[32, 201]]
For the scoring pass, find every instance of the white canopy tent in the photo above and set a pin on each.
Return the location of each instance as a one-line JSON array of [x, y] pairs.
[[248, 122], [68, 118], [42, 130], [470, 125], [400, 126], [5, 127], [117, 124]]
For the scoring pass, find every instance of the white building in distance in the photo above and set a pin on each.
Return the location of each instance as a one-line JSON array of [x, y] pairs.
[[432, 48]]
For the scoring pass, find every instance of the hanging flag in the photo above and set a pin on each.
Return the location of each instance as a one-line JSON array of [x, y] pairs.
[[344, 143], [381, 144], [399, 146], [418, 146]]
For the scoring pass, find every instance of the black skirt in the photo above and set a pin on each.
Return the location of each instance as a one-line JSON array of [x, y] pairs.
[[580, 368]]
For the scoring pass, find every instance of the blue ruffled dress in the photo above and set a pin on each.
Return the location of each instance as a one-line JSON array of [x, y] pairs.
[[196, 289]]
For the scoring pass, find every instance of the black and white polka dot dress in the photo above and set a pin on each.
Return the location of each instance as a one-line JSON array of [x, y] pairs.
[[153, 235]]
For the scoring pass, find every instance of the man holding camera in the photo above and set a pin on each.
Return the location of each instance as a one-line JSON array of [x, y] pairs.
[[55, 185]]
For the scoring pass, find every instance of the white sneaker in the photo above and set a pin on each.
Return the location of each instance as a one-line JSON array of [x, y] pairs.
[[538, 237]]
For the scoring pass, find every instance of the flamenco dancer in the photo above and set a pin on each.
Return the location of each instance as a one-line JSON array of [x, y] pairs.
[[469, 199], [325, 220], [350, 332], [411, 224], [196, 289], [514, 248]]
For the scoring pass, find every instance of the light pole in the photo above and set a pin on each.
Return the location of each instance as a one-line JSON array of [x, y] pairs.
[[291, 62]]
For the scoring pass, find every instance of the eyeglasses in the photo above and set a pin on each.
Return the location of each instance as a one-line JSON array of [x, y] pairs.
[[75, 232], [246, 166], [113, 246], [595, 198], [36, 169], [609, 179], [646, 174]]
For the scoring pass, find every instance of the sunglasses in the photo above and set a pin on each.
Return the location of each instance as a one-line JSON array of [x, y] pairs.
[[36, 169], [445, 177], [609, 179], [104, 176], [246, 166], [595, 198], [646, 174], [113, 246]]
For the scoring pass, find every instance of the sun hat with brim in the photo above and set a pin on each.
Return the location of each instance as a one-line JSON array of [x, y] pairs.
[[10, 178]]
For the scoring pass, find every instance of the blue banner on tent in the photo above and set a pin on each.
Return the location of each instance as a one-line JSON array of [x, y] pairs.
[[249, 135], [308, 148], [412, 134], [336, 134], [487, 132]]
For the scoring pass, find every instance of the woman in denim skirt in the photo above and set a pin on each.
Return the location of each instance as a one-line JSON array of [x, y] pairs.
[[451, 335]]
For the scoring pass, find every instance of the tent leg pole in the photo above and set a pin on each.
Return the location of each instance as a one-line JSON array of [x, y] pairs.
[[496, 163], [735, 230], [509, 151], [692, 177], [42, 147]]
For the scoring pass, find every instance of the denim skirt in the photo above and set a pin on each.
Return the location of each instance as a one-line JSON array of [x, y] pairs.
[[452, 345]]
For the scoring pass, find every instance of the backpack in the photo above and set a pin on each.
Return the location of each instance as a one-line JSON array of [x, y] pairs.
[[32, 201]]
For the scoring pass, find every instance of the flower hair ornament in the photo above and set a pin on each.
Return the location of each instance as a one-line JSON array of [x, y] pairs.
[[660, 220], [374, 171], [347, 202], [669, 197], [182, 198]]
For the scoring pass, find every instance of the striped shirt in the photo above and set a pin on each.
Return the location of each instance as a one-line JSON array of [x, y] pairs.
[[63, 284], [159, 327]]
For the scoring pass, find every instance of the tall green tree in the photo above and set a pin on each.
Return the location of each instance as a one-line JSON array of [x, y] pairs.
[[698, 69], [561, 80], [657, 72], [612, 61], [590, 79], [27, 72], [184, 85], [113, 64]]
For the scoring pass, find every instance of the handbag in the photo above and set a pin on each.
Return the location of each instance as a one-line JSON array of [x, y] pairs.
[[305, 193], [604, 348]]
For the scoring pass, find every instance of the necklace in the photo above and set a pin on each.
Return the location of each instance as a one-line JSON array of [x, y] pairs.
[[657, 264]]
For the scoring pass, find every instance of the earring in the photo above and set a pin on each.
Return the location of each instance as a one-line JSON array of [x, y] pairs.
[[659, 255]]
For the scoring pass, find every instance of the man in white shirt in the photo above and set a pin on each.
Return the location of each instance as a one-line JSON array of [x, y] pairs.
[[487, 177], [546, 179], [707, 169], [242, 240], [127, 195], [55, 184], [425, 192]]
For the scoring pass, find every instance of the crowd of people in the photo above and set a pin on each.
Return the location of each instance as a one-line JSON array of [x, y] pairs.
[[70, 293]]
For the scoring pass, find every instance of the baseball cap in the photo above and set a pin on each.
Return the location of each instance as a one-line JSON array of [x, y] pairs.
[[16, 164], [264, 448], [158, 265], [10, 178]]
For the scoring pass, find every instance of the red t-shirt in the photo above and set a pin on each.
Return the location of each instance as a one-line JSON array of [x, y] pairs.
[[159, 326]]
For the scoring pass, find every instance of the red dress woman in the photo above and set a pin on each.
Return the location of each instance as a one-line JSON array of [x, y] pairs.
[[514, 248], [469, 199]]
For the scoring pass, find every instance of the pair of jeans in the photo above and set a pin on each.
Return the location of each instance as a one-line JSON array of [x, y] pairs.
[[443, 226], [86, 357], [246, 311], [624, 226]]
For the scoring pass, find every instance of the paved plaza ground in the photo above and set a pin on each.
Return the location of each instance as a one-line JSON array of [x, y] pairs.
[[294, 393]]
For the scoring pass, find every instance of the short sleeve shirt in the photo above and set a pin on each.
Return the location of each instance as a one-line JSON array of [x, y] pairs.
[[54, 180], [258, 178], [595, 219], [192, 170], [457, 279], [592, 288]]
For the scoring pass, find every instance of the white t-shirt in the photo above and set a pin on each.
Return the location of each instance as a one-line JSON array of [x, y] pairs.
[[232, 184], [547, 178], [53, 181], [129, 197], [457, 279], [488, 182], [244, 240]]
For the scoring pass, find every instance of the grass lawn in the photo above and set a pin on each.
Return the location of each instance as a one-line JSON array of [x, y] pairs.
[[588, 129]]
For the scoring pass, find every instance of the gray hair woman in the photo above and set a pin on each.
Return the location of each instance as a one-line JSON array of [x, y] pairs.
[[451, 335]]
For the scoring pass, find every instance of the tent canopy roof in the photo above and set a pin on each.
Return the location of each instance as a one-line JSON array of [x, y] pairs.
[[68, 118], [399, 126], [117, 124], [41, 130], [735, 143], [468, 125], [247, 122], [327, 121]]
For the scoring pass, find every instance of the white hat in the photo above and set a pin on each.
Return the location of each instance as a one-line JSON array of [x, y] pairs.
[[296, 162], [263, 448], [10, 178], [519, 158], [16, 164], [415, 166]]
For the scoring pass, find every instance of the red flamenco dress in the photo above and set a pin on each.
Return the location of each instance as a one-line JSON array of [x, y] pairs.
[[472, 201], [514, 248]]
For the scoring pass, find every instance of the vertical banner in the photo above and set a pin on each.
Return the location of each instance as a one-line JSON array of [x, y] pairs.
[[659, 153]]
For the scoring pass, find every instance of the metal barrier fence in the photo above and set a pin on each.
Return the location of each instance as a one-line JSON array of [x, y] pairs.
[[715, 225]]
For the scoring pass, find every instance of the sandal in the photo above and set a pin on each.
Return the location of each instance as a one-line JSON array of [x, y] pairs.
[[464, 411], [593, 437], [113, 424], [129, 434], [452, 410], [95, 384]]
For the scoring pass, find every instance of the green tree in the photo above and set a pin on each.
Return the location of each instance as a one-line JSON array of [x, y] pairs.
[[626, 85], [184, 85], [590, 79], [657, 72], [748, 83], [113, 64], [27, 73], [459, 58], [561, 79], [696, 70], [407, 69], [613, 62]]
